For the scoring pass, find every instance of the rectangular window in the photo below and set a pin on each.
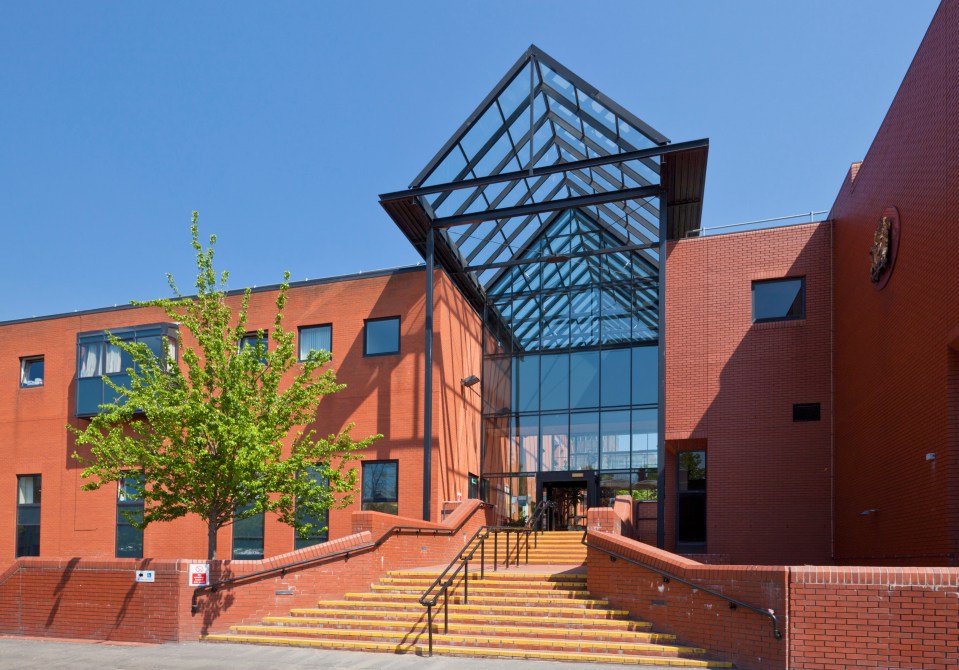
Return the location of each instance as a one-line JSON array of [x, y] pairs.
[[319, 533], [380, 485], [248, 536], [779, 299], [129, 510], [98, 356], [31, 371], [315, 338], [473, 491], [381, 336], [28, 515]]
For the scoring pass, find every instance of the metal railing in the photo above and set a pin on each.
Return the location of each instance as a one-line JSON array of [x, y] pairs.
[[668, 576], [440, 587], [283, 569], [811, 215]]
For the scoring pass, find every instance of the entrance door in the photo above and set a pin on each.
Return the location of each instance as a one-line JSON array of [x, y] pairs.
[[569, 512], [573, 493], [691, 502]]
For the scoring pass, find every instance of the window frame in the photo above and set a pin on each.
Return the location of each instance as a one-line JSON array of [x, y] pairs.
[[24, 362], [299, 339], [37, 499], [376, 500], [779, 280], [128, 505], [399, 336], [261, 537]]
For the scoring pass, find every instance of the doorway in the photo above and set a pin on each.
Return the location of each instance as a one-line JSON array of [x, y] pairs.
[[573, 493], [691, 502]]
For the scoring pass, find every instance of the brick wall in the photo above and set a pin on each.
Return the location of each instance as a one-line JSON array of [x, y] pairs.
[[731, 385], [99, 599], [832, 617], [873, 618], [893, 352], [697, 618]]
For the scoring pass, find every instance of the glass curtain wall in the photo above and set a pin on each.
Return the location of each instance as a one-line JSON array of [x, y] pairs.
[[577, 388]]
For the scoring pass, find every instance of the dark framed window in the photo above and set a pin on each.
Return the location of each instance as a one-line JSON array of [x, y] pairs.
[[248, 536], [31, 371], [691, 500], [315, 338], [97, 357], [473, 486], [381, 337], [380, 486], [129, 510], [28, 515], [320, 531], [779, 299]]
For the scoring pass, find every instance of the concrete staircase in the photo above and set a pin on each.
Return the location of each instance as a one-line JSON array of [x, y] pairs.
[[531, 611]]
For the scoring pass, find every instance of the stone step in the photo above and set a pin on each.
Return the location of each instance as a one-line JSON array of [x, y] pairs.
[[515, 601], [482, 590], [420, 648], [601, 629], [501, 638], [484, 610]]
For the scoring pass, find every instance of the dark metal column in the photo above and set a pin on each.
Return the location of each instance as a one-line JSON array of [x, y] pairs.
[[428, 381], [661, 422]]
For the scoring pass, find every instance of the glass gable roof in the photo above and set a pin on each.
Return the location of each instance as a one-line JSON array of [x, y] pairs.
[[545, 152]]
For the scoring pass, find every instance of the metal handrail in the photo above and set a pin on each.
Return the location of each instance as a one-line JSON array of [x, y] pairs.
[[282, 569], [668, 576], [441, 585]]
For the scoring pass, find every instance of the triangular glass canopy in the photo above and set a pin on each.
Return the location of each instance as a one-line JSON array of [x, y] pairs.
[[546, 151]]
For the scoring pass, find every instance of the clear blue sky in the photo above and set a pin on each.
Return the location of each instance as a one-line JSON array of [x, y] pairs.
[[281, 122]]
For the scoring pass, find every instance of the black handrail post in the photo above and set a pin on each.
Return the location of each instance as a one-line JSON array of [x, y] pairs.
[[466, 582], [517, 548], [429, 626], [527, 547], [483, 558], [495, 550], [446, 612]]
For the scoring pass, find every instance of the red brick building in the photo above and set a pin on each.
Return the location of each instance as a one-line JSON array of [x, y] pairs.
[[768, 397]]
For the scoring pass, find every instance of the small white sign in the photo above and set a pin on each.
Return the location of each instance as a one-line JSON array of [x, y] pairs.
[[199, 574], [145, 575]]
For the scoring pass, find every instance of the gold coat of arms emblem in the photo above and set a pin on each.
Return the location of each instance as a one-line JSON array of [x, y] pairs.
[[881, 250]]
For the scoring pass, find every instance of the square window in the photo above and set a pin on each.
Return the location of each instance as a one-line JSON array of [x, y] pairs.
[[779, 299], [31, 371], [380, 484], [381, 336], [315, 338]]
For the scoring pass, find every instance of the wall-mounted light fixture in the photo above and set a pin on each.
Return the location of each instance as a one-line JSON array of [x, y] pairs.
[[930, 456], [472, 380], [867, 512]]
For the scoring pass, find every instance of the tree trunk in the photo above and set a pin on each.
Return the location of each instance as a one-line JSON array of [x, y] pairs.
[[211, 528]]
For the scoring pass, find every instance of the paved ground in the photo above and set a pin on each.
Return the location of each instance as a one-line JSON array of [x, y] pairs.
[[54, 654]]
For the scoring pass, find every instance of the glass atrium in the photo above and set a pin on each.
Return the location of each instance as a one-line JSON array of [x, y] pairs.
[[549, 208]]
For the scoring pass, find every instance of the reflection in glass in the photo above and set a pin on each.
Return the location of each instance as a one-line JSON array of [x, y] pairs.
[[555, 442], [645, 375], [584, 441], [615, 377], [584, 379], [614, 442], [554, 381]]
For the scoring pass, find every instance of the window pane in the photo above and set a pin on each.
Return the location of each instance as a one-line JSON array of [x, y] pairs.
[[315, 338], [584, 379], [645, 375], [129, 541], [555, 442], [615, 377], [615, 439], [527, 383], [526, 444], [380, 481], [28, 490], [554, 381], [779, 299], [644, 442], [248, 537], [584, 441], [32, 372], [90, 365], [319, 532], [382, 337], [28, 540]]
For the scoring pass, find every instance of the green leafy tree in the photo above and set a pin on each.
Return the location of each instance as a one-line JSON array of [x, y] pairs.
[[226, 435]]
